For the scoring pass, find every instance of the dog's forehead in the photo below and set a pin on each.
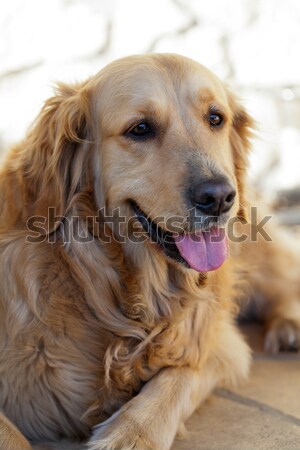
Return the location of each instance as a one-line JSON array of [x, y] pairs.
[[160, 78]]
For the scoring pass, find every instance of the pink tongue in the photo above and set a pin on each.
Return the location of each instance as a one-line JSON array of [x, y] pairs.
[[203, 251]]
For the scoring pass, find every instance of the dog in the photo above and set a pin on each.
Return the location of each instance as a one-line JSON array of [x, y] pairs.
[[118, 282]]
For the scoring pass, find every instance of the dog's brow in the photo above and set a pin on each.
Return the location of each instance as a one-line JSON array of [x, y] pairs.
[[205, 96], [149, 109], [206, 99]]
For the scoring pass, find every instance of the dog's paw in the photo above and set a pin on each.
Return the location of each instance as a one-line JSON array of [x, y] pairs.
[[282, 334], [123, 431]]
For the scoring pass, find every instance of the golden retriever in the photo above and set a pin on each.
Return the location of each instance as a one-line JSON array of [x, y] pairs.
[[117, 304]]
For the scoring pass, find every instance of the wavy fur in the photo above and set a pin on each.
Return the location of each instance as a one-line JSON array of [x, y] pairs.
[[87, 329]]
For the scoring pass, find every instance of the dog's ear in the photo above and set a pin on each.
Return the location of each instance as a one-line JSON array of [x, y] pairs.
[[241, 133], [56, 152]]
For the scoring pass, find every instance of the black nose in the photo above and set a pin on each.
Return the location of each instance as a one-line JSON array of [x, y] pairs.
[[213, 197]]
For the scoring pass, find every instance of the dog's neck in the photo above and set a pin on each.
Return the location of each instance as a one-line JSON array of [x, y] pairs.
[[138, 285]]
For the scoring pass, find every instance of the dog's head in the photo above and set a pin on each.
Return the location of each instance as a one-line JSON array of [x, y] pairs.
[[158, 138]]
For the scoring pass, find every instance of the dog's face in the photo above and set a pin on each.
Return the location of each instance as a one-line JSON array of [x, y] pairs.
[[164, 131], [166, 151], [169, 147]]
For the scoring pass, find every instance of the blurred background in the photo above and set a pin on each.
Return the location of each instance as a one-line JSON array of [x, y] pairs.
[[253, 45]]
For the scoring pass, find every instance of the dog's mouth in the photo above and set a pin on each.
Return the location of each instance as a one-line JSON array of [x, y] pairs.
[[203, 251]]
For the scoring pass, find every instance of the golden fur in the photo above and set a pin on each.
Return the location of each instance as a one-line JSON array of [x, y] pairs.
[[87, 326], [272, 272]]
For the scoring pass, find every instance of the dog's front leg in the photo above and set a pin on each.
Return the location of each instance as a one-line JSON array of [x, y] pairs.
[[151, 419], [10, 437]]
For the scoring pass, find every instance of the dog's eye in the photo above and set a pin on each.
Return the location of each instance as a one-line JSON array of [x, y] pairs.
[[141, 130], [215, 120]]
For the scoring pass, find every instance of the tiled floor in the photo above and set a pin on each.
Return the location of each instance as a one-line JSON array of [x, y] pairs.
[[264, 414], [261, 415]]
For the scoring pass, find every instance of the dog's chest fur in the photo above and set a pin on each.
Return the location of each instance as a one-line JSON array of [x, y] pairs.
[[65, 373]]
